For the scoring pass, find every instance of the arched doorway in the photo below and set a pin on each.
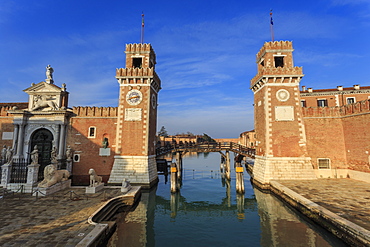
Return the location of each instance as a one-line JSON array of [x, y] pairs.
[[43, 138]]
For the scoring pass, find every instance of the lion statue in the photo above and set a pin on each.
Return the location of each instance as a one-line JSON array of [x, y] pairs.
[[94, 179], [53, 176]]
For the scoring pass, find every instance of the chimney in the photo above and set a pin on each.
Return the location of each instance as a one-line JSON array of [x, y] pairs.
[[310, 90], [303, 88], [340, 88], [356, 87]]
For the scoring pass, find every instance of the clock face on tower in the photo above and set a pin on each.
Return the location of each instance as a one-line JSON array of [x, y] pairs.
[[134, 97]]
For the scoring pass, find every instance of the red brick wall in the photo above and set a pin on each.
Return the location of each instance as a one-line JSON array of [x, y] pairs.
[[357, 141], [104, 119], [325, 139]]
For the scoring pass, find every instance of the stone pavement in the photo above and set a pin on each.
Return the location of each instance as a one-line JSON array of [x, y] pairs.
[[348, 198], [56, 220]]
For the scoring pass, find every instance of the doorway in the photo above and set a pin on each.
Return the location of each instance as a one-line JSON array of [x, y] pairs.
[[43, 138]]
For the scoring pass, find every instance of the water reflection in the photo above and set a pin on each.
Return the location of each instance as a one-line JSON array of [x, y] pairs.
[[208, 212]]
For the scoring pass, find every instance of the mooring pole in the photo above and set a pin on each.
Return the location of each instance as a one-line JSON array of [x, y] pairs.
[[179, 164], [174, 186], [239, 178], [227, 168]]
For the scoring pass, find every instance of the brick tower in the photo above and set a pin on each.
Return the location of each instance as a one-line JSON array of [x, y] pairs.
[[281, 140], [137, 118]]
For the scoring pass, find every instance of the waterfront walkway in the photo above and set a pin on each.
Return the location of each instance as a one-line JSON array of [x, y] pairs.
[[61, 220], [347, 198], [56, 220]]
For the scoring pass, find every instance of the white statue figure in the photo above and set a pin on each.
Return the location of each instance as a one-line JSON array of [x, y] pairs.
[[3, 153], [53, 176], [69, 153], [35, 156], [9, 155], [126, 186], [53, 155], [94, 179], [49, 72]]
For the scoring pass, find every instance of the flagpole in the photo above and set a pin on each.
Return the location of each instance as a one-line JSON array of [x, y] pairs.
[[142, 28], [271, 27]]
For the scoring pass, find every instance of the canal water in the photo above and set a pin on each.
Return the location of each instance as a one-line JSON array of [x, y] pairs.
[[208, 212]]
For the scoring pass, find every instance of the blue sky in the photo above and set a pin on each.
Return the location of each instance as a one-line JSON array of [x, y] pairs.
[[205, 51]]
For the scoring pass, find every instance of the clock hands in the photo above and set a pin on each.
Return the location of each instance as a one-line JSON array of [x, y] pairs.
[[133, 97]]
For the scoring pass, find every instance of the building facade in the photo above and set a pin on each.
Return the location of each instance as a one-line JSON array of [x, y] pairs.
[[117, 142], [310, 133]]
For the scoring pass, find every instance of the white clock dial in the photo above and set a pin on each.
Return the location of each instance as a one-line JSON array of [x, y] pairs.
[[282, 95], [134, 97]]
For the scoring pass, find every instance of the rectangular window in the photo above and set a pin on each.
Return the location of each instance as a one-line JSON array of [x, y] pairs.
[[279, 61], [351, 100], [137, 62], [323, 163], [322, 102], [92, 131], [303, 103]]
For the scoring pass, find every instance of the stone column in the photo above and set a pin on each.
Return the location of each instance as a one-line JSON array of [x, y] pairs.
[[19, 151], [61, 148], [57, 138], [32, 174], [15, 136]]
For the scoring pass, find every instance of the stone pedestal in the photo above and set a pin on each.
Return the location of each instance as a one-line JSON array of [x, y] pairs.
[[5, 177], [52, 189], [93, 190], [32, 173], [266, 169], [69, 166], [140, 170]]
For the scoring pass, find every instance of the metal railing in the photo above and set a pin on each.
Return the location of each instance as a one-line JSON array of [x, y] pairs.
[[19, 171], [206, 147]]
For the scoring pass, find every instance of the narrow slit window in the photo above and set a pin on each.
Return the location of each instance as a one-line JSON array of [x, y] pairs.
[[303, 103]]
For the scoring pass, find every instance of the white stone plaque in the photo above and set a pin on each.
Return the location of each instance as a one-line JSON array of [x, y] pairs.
[[104, 151], [7, 135], [284, 113], [133, 114]]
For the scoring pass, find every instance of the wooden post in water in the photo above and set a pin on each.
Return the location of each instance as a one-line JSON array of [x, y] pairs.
[[174, 186], [239, 178], [227, 168], [179, 164]]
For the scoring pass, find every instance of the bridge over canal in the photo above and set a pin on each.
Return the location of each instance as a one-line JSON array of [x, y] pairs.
[[206, 147], [227, 147]]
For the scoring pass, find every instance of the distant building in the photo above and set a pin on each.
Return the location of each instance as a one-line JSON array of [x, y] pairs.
[[248, 139], [333, 97]]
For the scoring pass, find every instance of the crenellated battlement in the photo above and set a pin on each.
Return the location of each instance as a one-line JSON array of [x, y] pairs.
[[4, 110], [139, 48], [88, 111], [277, 72], [360, 107], [131, 72], [286, 46]]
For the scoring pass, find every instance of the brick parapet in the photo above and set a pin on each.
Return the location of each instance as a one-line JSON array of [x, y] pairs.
[[87, 111], [361, 107], [276, 45]]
